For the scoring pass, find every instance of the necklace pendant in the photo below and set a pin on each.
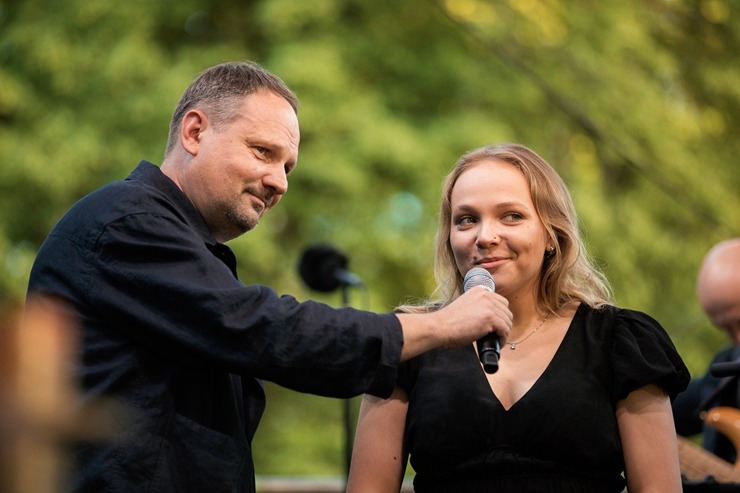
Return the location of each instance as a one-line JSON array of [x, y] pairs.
[[513, 345]]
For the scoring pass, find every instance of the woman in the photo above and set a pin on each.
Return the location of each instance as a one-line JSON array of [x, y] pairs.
[[581, 399]]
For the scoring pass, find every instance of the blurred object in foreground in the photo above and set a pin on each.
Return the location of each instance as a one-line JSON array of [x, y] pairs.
[[40, 412]]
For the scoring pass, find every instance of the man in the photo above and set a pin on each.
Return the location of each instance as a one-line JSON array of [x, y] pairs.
[[169, 330], [718, 292]]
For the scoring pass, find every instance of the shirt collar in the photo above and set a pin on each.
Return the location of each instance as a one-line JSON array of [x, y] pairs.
[[151, 175]]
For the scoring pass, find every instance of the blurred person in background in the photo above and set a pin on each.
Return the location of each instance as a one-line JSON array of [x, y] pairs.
[[718, 292], [167, 328], [581, 399]]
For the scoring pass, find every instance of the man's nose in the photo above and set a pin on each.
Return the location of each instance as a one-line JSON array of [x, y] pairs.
[[277, 182]]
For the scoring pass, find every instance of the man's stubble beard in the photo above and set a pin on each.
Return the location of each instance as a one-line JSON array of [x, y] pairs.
[[243, 222]]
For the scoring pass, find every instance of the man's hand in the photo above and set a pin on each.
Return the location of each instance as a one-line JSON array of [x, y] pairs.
[[471, 316]]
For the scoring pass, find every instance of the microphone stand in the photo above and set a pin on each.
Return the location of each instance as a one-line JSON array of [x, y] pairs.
[[322, 268], [346, 408]]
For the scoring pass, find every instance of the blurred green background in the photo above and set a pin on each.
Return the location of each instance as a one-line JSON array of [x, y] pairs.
[[635, 102]]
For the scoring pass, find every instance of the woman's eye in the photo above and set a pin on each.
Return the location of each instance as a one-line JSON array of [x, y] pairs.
[[464, 220], [513, 216]]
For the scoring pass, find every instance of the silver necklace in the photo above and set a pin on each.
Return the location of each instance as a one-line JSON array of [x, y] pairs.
[[513, 345]]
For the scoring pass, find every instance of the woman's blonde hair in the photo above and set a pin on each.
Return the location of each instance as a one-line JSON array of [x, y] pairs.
[[568, 273]]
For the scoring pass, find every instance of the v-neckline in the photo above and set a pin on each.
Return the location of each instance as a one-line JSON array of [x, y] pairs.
[[563, 343]]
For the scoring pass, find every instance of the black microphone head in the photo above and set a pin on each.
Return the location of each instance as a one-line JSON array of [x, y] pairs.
[[319, 265], [478, 276]]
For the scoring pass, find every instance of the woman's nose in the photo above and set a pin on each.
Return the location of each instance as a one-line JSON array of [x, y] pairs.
[[487, 235]]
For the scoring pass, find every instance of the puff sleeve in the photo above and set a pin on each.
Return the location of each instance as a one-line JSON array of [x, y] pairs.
[[643, 354]]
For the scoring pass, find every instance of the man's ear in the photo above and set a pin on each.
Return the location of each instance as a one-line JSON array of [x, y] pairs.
[[193, 124]]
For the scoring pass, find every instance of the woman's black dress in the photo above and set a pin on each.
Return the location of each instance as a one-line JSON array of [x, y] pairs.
[[561, 436]]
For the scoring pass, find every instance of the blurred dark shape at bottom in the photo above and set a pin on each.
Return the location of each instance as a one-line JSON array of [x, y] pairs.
[[710, 485]]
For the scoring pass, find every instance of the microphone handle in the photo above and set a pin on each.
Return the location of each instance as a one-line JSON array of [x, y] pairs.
[[489, 350]]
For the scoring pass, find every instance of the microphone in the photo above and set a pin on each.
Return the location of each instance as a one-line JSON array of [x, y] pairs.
[[489, 347], [324, 268]]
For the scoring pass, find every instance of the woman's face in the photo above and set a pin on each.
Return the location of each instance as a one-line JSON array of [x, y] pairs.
[[494, 225]]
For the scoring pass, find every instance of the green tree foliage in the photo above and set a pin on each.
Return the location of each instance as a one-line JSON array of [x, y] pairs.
[[635, 102]]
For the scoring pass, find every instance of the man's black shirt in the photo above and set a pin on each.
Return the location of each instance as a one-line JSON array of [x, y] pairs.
[[169, 330]]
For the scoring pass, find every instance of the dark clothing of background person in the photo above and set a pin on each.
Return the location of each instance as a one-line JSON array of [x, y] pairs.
[[703, 394], [169, 329]]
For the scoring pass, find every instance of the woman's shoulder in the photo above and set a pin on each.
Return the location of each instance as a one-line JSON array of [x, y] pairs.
[[640, 349], [623, 329], [618, 316]]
